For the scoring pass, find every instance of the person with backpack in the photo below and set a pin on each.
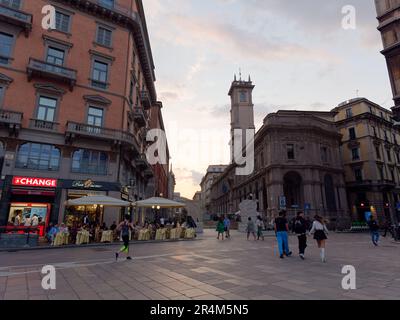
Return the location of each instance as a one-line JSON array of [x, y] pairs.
[[374, 229], [320, 232], [300, 228], [125, 227]]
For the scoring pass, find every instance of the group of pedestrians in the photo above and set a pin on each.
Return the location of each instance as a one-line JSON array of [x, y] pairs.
[[301, 227], [258, 228]]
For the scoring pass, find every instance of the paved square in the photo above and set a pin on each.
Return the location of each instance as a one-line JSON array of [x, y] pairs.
[[206, 269]]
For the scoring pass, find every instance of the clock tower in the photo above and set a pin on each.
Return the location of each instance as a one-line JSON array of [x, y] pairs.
[[242, 109]]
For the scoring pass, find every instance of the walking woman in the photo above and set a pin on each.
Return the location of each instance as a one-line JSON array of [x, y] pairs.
[[220, 227], [320, 232]]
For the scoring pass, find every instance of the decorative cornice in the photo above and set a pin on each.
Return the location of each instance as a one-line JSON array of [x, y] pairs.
[[50, 89], [5, 79], [97, 99]]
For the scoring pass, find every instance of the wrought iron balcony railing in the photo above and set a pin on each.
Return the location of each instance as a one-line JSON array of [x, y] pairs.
[[48, 70], [139, 117], [145, 98], [75, 129]]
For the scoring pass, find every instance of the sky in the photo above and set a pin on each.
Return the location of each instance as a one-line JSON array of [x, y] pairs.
[[297, 52]]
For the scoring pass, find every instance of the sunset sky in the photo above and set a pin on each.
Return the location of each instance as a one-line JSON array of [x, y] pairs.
[[297, 53]]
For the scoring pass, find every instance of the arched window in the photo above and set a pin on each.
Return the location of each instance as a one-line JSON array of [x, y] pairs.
[[90, 162], [330, 193], [36, 156], [293, 189]]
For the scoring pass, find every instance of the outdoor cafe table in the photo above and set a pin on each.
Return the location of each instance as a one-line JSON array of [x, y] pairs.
[[61, 239], [144, 235], [107, 236], [82, 237], [161, 234], [190, 233]]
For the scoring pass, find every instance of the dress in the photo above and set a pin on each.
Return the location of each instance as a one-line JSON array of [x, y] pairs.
[[220, 227]]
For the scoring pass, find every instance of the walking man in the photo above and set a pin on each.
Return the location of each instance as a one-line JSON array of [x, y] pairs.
[[300, 228], [281, 231], [227, 227], [374, 228], [125, 227]]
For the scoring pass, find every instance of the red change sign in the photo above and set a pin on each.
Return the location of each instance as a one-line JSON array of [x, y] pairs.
[[34, 182]]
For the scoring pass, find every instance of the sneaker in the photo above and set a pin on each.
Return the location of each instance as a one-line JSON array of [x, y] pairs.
[[289, 254], [129, 258], [281, 256], [116, 256], [302, 257]]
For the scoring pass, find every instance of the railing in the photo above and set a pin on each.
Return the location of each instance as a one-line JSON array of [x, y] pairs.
[[101, 132], [15, 14], [43, 125], [12, 117], [145, 98], [54, 69], [139, 116]]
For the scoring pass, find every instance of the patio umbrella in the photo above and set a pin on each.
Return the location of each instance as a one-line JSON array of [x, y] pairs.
[[158, 202], [98, 200]]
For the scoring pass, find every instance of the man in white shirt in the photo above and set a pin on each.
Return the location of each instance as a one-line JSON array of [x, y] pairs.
[[35, 221]]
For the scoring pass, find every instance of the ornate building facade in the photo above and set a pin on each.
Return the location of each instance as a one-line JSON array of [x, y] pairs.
[[75, 106], [388, 12], [297, 167]]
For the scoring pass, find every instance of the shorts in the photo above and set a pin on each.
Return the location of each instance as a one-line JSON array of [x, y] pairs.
[[125, 239]]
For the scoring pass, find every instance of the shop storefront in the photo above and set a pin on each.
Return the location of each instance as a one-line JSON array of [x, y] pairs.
[[86, 215], [31, 199]]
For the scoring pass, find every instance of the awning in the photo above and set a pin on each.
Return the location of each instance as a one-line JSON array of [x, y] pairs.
[[98, 200], [159, 202]]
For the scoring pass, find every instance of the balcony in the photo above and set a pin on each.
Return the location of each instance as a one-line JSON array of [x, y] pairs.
[[139, 117], [43, 125], [11, 120], [148, 173], [37, 68], [141, 161], [16, 17], [75, 130], [145, 99]]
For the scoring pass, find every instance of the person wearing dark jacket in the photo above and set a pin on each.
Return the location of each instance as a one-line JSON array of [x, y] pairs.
[[300, 227], [374, 228]]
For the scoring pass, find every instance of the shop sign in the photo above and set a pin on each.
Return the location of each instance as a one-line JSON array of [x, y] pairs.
[[34, 182], [87, 184]]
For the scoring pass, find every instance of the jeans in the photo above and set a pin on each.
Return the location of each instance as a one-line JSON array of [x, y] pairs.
[[375, 236], [302, 243], [283, 242]]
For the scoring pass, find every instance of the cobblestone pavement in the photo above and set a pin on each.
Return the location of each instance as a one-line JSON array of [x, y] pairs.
[[206, 269]]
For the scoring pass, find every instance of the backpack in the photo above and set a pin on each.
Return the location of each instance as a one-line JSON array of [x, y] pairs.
[[298, 226]]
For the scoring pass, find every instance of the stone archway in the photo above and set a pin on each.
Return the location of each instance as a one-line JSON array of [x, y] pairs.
[[330, 193], [293, 189]]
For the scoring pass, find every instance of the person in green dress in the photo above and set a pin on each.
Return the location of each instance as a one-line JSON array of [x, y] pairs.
[[220, 228]]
